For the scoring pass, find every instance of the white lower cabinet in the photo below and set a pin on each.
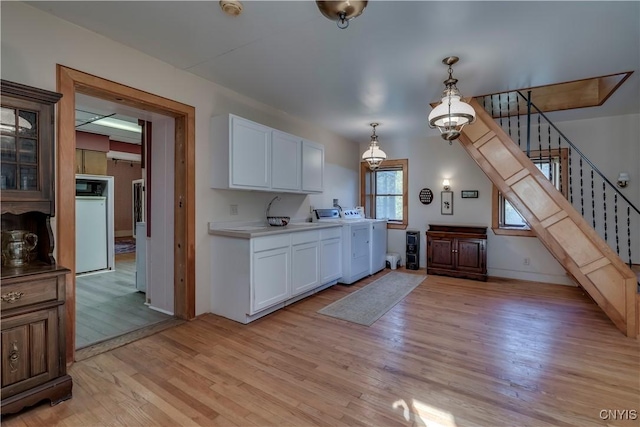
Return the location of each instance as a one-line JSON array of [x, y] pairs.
[[256, 276], [305, 264]]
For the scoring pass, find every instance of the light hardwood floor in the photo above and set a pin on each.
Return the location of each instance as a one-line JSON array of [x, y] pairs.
[[108, 305], [459, 352]]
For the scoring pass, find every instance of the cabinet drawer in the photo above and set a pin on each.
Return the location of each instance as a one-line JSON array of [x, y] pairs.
[[271, 242], [330, 233], [26, 293], [301, 237]]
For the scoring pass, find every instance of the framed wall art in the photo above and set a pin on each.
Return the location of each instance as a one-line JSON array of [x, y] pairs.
[[469, 194], [446, 200]]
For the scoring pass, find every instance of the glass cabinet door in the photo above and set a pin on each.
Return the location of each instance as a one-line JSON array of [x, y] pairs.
[[19, 149]]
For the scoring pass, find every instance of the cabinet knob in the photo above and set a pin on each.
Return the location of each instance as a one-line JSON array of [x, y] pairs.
[[14, 357]]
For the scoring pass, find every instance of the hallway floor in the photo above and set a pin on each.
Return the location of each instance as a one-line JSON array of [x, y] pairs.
[[108, 304]]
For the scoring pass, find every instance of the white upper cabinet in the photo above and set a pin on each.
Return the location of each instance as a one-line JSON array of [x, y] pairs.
[[286, 159], [249, 156], [312, 167], [240, 154]]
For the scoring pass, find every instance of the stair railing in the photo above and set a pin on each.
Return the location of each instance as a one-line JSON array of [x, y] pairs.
[[613, 216]]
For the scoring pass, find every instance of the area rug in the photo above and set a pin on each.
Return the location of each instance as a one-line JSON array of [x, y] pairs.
[[368, 304], [124, 246]]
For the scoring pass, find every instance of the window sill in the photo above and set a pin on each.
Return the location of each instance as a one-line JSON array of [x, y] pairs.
[[395, 225], [513, 232]]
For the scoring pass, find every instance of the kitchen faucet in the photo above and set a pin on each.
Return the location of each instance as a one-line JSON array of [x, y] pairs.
[[269, 205]]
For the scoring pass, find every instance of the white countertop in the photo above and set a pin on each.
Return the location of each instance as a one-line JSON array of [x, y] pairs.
[[258, 230]]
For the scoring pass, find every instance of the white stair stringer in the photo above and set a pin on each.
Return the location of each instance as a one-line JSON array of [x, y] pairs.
[[563, 231]]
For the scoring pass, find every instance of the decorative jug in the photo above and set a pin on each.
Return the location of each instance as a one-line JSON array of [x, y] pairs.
[[17, 246]]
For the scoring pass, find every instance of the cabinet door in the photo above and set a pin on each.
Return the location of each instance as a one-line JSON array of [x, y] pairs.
[[441, 252], [29, 350], [470, 255], [360, 249], [26, 149], [286, 158], [95, 162], [312, 167], [250, 154], [330, 260], [305, 267], [270, 281]]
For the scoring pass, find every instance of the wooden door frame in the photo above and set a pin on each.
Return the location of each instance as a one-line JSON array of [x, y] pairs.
[[70, 82]]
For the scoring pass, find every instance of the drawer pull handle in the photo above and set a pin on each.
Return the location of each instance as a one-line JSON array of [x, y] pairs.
[[12, 297], [14, 357]]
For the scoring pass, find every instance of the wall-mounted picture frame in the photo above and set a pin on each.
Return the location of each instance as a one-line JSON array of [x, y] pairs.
[[446, 202], [469, 194]]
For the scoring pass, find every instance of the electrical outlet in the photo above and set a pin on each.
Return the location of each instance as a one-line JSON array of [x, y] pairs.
[[526, 261], [335, 202], [234, 209]]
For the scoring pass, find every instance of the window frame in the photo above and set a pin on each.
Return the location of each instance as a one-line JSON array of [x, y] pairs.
[[497, 202], [388, 165]]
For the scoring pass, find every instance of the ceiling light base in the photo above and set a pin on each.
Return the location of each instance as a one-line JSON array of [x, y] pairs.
[[450, 60], [231, 7], [341, 11]]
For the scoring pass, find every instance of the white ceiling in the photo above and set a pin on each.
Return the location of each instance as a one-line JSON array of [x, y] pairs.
[[386, 67], [89, 109]]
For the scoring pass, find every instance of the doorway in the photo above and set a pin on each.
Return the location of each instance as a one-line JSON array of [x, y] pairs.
[[112, 298], [69, 83]]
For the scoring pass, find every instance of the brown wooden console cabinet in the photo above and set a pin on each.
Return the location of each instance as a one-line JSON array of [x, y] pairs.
[[457, 251], [32, 287]]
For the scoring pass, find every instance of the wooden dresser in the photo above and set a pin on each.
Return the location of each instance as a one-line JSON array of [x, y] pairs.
[[457, 251], [32, 286]]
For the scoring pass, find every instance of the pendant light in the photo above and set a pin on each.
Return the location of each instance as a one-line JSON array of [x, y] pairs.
[[374, 155], [341, 11], [452, 113]]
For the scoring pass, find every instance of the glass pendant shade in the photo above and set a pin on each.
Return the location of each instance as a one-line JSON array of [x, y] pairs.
[[374, 156], [452, 114]]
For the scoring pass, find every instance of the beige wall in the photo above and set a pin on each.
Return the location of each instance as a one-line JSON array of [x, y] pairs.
[[33, 42], [123, 173]]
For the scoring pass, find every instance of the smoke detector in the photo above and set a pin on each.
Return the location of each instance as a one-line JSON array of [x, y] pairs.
[[231, 7]]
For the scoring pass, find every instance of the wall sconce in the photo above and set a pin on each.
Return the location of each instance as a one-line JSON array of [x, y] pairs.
[[623, 179], [446, 185]]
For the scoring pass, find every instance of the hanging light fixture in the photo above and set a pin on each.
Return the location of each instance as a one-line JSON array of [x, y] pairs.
[[453, 113], [341, 11], [374, 155]]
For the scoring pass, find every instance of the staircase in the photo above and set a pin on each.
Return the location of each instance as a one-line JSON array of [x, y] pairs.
[[557, 224]]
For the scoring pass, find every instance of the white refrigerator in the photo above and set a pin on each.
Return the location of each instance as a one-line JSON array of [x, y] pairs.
[[91, 234]]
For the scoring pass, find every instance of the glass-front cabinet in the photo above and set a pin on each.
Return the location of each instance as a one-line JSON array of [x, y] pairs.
[[26, 177], [26, 149]]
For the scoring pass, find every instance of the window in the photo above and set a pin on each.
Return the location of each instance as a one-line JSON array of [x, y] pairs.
[[506, 218], [383, 192]]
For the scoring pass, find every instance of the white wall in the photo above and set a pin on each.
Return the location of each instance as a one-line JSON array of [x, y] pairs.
[[33, 42], [160, 256], [610, 142]]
